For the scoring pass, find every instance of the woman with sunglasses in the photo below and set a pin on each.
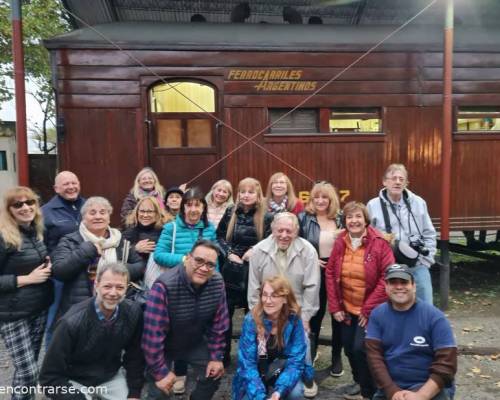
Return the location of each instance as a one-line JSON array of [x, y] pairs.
[[78, 254], [25, 289], [272, 348], [144, 226]]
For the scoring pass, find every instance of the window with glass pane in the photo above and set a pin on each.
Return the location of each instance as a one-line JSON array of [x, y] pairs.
[[181, 111], [478, 119], [355, 120], [3, 160], [297, 122]]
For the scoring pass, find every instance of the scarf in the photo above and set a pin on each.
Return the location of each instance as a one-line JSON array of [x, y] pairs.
[[152, 193], [275, 207], [108, 245], [356, 242]]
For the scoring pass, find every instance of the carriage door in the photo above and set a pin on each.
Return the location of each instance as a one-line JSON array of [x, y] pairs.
[[183, 140]]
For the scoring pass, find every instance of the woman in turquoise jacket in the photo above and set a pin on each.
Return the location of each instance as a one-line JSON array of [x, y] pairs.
[[176, 241], [272, 340]]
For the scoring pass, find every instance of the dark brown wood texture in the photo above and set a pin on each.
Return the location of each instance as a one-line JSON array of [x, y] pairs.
[[102, 95]]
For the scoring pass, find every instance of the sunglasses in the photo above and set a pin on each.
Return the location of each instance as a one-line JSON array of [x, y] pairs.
[[19, 204]]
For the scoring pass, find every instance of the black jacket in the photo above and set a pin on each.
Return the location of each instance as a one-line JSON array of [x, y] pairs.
[[244, 233], [70, 261], [140, 232], [89, 351], [22, 302], [309, 228]]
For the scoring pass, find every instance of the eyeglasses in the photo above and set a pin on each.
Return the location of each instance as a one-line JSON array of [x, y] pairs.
[[397, 179], [200, 262], [272, 296], [147, 212], [19, 204]]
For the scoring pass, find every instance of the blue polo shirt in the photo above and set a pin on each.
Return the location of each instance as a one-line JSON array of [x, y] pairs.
[[409, 339]]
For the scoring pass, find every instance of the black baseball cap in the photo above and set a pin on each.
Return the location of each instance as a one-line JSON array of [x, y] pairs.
[[400, 271], [174, 189]]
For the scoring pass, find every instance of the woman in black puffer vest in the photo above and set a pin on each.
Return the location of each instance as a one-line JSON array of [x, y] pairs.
[[25, 290], [242, 227]]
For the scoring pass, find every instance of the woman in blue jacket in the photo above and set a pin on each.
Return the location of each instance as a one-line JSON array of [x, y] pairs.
[[176, 241], [272, 340]]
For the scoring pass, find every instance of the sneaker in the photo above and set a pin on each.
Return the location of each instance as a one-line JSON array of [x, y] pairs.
[[311, 391], [179, 385], [337, 369], [352, 392]]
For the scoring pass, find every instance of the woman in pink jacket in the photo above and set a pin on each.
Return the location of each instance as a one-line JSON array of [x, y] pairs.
[[355, 286]]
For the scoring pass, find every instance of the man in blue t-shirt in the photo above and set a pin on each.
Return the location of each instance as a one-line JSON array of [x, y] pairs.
[[410, 346]]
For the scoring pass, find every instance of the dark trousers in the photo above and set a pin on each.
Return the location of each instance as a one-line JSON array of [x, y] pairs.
[[353, 340], [315, 324], [205, 388], [234, 300]]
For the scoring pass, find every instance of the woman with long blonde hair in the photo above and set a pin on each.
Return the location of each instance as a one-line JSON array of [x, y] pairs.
[[25, 289], [218, 200], [146, 183], [272, 348], [280, 195], [243, 225], [320, 224]]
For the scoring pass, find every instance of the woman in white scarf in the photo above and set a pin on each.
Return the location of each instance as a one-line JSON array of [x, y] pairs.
[[78, 254]]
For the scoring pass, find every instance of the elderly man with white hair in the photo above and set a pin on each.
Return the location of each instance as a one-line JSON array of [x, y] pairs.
[[284, 253]]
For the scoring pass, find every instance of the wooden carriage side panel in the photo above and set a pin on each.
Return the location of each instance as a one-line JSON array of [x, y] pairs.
[[100, 146]]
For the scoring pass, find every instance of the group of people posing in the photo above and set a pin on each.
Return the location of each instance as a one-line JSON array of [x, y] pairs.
[[125, 312]]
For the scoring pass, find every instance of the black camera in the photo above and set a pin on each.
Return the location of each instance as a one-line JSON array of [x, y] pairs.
[[418, 245]]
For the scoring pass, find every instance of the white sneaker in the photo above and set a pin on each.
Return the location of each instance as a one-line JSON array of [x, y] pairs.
[[311, 392], [179, 385]]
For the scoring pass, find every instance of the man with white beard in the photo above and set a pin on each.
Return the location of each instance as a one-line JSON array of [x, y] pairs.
[[93, 341]]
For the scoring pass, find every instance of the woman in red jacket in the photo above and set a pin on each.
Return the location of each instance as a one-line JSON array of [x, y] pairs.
[[355, 286]]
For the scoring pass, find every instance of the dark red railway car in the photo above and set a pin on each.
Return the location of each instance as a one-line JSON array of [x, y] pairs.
[[183, 97]]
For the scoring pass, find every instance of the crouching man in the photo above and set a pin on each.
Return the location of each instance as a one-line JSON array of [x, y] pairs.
[[410, 346], [93, 341], [186, 319]]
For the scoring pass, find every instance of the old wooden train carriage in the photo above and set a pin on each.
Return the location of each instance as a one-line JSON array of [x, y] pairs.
[[186, 98]]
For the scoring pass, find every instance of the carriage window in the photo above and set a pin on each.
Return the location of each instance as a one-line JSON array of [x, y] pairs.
[[3, 161], [181, 112], [355, 120], [478, 119], [298, 122]]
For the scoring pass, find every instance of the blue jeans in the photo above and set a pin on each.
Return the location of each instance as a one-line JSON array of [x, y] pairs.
[[297, 393], [424, 284], [53, 309]]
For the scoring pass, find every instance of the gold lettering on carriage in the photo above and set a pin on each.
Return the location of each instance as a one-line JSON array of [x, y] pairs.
[[273, 80]]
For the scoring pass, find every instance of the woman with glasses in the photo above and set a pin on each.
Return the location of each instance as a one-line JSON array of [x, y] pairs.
[[25, 289], [176, 241], [272, 348], [320, 225], [355, 286], [280, 195], [146, 184], [144, 226], [78, 254], [242, 227]]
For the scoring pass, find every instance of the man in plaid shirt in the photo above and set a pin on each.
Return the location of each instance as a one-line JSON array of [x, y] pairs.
[[185, 319]]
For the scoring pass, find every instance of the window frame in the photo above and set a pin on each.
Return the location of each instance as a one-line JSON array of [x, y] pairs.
[[474, 134]]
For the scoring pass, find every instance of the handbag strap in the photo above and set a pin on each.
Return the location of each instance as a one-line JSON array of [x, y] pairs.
[[125, 251], [174, 234]]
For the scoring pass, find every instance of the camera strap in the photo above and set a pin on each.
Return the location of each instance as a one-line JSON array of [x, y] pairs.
[[383, 205]]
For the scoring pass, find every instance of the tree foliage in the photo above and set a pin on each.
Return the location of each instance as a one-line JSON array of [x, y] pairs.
[[42, 19]]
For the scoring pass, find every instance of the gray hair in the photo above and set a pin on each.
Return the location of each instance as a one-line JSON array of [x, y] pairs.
[[96, 200], [285, 215], [114, 268], [396, 167]]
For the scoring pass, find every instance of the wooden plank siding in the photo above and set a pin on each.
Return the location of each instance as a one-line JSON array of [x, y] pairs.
[[102, 96]]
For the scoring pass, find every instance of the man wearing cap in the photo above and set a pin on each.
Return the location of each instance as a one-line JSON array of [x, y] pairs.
[[404, 218], [410, 346]]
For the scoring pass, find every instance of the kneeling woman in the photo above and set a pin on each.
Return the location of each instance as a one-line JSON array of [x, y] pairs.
[[272, 340]]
